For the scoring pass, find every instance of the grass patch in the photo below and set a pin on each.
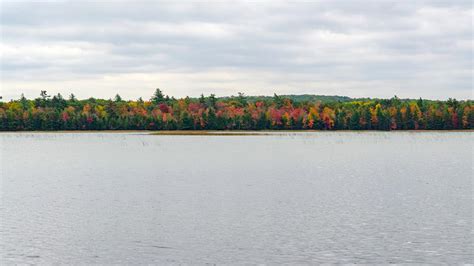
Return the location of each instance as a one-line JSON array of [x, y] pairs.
[[207, 133]]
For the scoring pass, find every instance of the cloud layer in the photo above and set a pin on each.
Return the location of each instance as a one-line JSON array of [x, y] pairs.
[[353, 48]]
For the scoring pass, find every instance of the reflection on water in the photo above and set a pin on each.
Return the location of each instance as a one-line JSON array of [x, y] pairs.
[[347, 197]]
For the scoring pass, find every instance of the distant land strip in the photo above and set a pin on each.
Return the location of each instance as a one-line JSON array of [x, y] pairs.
[[200, 116]]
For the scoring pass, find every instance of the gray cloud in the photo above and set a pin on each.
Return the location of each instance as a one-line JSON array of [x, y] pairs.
[[356, 48]]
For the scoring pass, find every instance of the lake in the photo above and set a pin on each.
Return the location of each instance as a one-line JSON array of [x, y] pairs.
[[305, 197]]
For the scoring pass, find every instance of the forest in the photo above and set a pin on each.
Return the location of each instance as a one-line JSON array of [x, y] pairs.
[[241, 112]]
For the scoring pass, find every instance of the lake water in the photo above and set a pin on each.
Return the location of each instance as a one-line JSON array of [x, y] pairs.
[[333, 197]]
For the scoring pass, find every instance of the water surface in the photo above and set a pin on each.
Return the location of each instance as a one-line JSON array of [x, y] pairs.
[[334, 197]]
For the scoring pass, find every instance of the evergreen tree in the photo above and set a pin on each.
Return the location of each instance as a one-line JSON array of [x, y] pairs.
[[118, 99], [158, 97], [212, 101]]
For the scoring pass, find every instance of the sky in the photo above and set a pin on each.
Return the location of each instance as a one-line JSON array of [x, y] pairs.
[[353, 48]]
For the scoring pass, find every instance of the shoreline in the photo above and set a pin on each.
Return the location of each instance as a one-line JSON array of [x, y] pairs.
[[229, 132]]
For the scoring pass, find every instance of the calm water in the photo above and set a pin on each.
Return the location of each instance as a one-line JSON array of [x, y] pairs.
[[293, 198]]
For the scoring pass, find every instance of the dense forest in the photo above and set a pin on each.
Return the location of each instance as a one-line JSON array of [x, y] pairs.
[[290, 112]]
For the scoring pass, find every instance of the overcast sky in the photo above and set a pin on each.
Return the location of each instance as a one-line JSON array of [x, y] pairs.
[[353, 48]]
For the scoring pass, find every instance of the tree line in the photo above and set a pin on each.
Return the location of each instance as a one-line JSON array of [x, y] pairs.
[[240, 112]]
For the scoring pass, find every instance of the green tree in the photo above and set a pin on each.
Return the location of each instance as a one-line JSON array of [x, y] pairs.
[[158, 97]]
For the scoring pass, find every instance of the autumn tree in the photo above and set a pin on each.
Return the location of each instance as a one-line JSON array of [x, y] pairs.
[[241, 112]]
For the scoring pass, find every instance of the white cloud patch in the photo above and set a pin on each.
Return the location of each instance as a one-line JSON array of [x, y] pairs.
[[356, 48]]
